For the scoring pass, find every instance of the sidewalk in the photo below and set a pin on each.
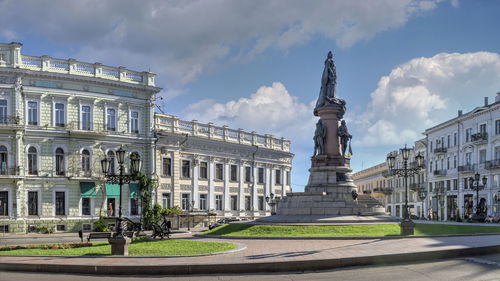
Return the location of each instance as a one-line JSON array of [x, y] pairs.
[[265, 255]]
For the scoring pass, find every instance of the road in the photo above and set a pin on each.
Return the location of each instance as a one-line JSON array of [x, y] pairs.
[[468, 269]]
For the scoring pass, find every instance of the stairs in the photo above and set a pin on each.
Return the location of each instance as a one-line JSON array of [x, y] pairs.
[[369, 201]]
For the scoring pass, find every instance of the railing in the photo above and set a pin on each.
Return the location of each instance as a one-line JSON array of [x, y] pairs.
[[9, 120], [479, 137], [172, 124], [492, 164], [71, 66], [439, 172], [8, 171], [416, 186], [440, 150], [467, 168]]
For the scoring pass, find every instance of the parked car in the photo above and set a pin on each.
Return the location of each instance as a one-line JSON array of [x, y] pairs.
[[493, 218], [221, 222]]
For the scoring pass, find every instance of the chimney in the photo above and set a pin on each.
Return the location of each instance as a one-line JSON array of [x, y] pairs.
[[459, 113], [497, 98], [485, 101]]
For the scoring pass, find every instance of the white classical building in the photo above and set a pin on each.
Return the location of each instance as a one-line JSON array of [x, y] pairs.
[[458, 148], [58, 119], [216, 169]]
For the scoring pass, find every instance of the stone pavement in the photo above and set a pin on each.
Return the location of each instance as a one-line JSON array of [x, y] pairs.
[[270, 255]]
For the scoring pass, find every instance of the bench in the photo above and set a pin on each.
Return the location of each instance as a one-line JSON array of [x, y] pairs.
[[98, 235], [158, 231]]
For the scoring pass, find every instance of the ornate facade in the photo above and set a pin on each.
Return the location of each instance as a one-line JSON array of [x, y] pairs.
[[58, 119]]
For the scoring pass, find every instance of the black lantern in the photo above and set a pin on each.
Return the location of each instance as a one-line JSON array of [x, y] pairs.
[[120, 155], [420, 160], [485, 180], [105, 166], [405, 152], [135, 163], [471, 181], [391, 161]]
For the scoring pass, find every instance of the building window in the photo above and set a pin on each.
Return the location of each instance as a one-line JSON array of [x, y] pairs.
[[468, 133], [260, 202], [466, 183], [134, 122], [186, 169], [111, 159], [32, 113], [448, 141], [203, 201], [165, 197], [234, 173], [497, 127], [482, 129], [260, 175], [86, 207], [430, 187], [167, 167], [86, 120], [248, 203], [32, 161], [454, 162], [448, 163], [455, 139], [3, 160], [482, 156], [219, 175], [111, 119], [497, 153], [248, 174], [455, 184], [3, 112], [4, 203], [32, 203], [278, 176], [134, 206], [85, 161], [431, 146], [203, 170], [59, 162], [59, 113], [60, 203], [234, 202], [448, 185], [111, 207], [218, 202], [185, 201]]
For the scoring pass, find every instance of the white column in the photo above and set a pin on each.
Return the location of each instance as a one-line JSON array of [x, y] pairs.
[[267, 186], [241, 184], [211, 186], [255, 196], [283, 181], [195, 184], [227, 201]]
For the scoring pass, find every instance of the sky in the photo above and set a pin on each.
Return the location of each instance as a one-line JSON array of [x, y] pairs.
[[402, 65]]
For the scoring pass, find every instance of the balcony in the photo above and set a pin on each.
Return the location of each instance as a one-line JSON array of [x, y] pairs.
[[387, 173], [493, 164], [94, 130], [10, 123], [439, 173], [8, 172], [440, 150], [479, 138], [416, 186], [468, 168]]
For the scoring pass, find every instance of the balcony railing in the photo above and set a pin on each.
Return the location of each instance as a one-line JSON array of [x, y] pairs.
[[479, 137], [172, 124], [467, 168], [440, 150], [416, 186], [492, 164], [8, 122], [439, 173], [71, 66], [8, 171]]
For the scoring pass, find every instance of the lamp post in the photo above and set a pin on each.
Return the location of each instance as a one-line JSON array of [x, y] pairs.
[[477, 179], [407, 224], [119, 242], [190, 209], [271, 201], [422, 194]]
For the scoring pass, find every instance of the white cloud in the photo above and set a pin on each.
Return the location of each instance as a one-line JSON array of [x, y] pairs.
[[424, 92], [269, 109], [180, 39]]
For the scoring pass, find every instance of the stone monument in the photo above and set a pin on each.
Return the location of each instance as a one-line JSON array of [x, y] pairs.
[[330, 194]]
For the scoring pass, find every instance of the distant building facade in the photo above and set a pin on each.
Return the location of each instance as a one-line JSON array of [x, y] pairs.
[[371, 181]]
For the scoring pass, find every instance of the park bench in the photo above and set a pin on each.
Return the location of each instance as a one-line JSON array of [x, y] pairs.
[[158, 231], [98, 235]]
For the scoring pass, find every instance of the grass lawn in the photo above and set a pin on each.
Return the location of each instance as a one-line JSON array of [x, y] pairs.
[[139, 247], [344, 230]]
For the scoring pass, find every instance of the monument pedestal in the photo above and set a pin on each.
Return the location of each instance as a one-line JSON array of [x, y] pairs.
[[119, 245]]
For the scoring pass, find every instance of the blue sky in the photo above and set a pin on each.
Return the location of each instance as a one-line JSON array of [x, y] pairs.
[[402, 66]]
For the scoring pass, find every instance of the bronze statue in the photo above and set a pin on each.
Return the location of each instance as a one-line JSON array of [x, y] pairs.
[[319, 138], [327, 93], [345, 137]]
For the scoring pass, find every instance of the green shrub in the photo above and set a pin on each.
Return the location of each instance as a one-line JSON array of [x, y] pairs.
[[45, 229], [100, 226]]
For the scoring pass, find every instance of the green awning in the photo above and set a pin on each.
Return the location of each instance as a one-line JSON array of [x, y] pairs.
[[134, 189], [87, 190], [112, 190]]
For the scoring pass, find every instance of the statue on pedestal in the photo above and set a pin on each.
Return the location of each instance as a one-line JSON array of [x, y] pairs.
[[319, 138], [327, 93], [345, 138]]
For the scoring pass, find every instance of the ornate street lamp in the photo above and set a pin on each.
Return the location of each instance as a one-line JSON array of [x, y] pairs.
[[407, 224], [477, 179], [120, 242], [271, 201], [422, 194]]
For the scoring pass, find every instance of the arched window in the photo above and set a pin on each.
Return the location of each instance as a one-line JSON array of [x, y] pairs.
[[111, 159], [3, 160], [59, 162], [32, 161], [85, 161]]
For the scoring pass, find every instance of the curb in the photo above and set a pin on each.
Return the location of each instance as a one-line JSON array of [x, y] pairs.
[[288, 266], [335, 237]]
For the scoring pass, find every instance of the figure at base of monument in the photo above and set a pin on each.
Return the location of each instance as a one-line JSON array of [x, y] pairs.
[[319, 139], [345, 138]]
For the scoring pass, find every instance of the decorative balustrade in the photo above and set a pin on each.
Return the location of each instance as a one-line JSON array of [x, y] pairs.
[[479, 137], [467, 168], [416, 186], [439, 150], [172, 124], [492, 164], [4, 171], [440, 173], [71, 66]]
